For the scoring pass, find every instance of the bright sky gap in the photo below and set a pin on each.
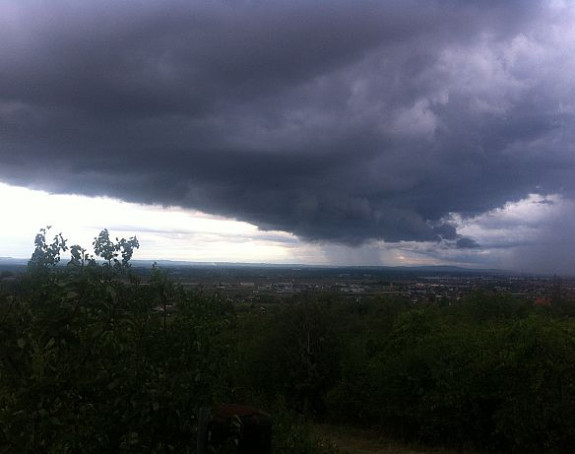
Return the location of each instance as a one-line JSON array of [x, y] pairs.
[[169, 233]]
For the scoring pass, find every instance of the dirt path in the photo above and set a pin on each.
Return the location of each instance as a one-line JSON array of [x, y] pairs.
[[356, 441]]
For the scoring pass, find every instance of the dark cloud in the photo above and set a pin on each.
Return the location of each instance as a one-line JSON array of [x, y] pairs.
[[466, 243], [337, 121]]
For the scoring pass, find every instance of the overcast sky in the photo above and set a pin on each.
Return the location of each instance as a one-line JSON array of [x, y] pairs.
[[360, 132]]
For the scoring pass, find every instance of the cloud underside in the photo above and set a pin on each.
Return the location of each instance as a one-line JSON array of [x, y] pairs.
[[339, 122]]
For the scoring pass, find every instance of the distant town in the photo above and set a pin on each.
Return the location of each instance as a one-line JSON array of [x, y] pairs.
[[265, 284], [419, 286]]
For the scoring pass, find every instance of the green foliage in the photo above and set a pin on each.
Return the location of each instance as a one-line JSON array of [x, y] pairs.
[[46, 255], [492, 373], [296, 356], [94, 360], [537, 413], [105, 248], [484, 307], [86, 365]]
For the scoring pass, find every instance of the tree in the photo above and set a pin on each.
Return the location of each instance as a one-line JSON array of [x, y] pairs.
[[109, 251], [46, 255]]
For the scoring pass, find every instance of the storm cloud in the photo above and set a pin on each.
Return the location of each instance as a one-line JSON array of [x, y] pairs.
[[338, 121]]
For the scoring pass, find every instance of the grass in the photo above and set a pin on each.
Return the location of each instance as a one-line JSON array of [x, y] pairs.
[[349, 440]]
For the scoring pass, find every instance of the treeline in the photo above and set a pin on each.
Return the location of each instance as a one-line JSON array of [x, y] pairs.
[[492, 373], [92, 360]]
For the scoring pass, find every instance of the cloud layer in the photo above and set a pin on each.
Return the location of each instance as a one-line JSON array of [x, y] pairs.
[[338, 121]]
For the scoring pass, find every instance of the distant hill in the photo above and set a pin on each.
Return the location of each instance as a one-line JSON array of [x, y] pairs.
[[12, 261], [420, 269]]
